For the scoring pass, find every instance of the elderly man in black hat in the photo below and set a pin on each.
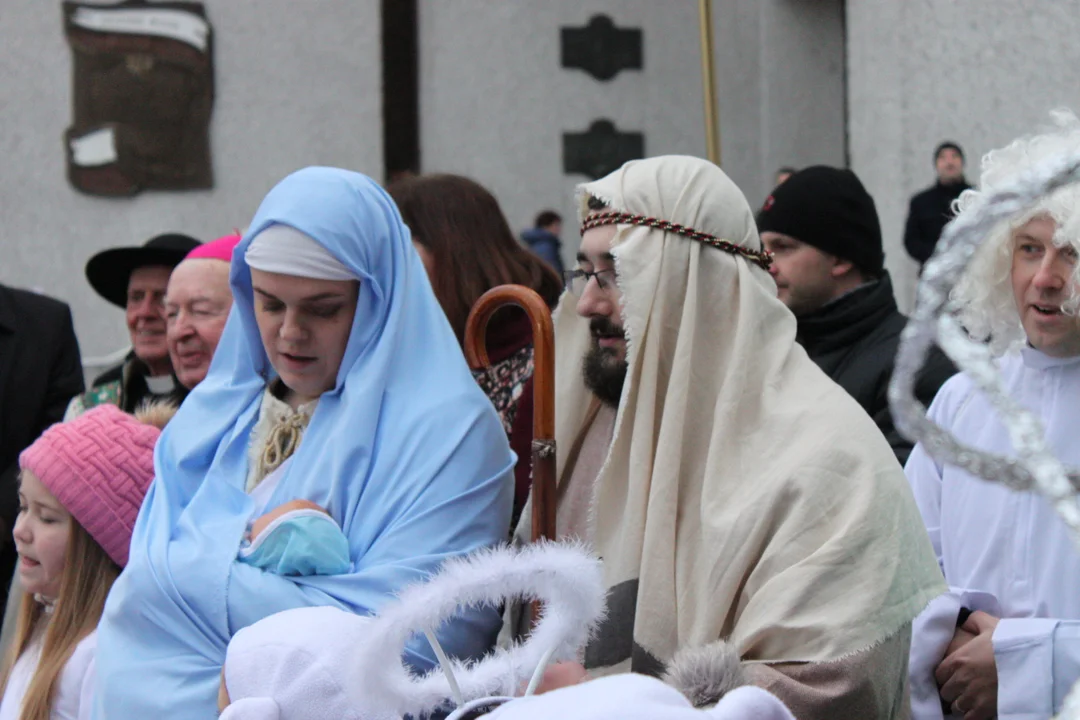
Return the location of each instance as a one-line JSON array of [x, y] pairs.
[[931, 209], [135, 278], [823, 231]]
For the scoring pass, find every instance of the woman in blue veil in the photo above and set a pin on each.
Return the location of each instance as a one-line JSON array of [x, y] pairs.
[[369, 413]]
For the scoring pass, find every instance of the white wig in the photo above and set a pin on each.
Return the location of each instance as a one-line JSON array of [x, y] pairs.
[[984, 296]]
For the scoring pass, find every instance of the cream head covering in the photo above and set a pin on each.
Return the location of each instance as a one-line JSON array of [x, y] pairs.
[[745, 496]]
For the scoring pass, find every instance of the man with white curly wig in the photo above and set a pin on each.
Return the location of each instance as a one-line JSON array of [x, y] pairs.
[[1005, 641]]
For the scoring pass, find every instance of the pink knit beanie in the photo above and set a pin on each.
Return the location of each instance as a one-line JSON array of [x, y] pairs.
[[99, 467]]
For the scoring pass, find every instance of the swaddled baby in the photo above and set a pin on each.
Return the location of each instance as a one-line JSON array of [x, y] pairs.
[[296, 538]]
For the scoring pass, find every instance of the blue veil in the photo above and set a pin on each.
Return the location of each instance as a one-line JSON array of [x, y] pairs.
[[406, 452]]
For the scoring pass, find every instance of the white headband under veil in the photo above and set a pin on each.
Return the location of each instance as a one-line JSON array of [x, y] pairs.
[[285, 250]]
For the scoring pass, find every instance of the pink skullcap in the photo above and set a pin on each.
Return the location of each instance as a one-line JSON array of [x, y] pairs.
[[220, 249], [99, 467]]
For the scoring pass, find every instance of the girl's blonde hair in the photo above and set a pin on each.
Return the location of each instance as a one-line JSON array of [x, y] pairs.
[[87, 577], [984, 295], [85, 582]]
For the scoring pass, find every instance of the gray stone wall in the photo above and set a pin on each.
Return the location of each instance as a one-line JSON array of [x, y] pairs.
[[780, 75], [975, 71], [293, 89], [297, 88], [495, 100]]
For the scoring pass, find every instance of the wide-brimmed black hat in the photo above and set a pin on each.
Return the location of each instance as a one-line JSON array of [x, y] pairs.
[[110, 270]]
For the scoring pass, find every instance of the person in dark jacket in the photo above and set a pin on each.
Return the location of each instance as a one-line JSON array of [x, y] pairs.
[[931, 209], [40, 371], [135, 278], [823, 230], [543, 239]]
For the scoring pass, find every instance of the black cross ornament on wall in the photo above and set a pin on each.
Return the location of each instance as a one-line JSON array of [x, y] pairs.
[[600, 48], [601, 149], [603, 51]]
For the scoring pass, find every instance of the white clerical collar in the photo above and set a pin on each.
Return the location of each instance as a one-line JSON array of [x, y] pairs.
[[160, 385], [1038, 360]]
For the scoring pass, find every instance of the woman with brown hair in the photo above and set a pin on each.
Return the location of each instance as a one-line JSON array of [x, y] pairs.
[[468, 248]]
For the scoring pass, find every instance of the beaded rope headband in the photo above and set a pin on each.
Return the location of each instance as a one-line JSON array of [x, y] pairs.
[[763, 259]]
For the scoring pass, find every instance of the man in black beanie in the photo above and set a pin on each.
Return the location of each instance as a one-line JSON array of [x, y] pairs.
[[931, 209], [823, 230]]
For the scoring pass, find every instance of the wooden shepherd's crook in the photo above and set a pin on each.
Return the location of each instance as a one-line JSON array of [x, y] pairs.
[[543, 444]]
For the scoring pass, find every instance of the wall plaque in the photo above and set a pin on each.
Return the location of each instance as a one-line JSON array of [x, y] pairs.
[[142, 97]]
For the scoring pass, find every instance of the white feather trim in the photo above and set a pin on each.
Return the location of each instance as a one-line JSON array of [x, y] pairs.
[[563, 577], [706, 674]]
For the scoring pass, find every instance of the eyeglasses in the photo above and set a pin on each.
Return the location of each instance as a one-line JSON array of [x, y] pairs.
[[577, 279]]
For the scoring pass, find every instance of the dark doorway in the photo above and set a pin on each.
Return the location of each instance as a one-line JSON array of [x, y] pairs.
[[400, 88]]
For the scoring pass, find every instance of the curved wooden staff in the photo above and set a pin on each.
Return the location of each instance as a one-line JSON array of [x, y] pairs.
[[543, 443]]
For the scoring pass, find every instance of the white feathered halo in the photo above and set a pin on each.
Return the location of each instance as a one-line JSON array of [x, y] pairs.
[[563, 577], [282, 659]]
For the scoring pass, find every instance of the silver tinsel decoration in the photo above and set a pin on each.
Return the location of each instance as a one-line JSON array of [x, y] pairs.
[[1034, 468]]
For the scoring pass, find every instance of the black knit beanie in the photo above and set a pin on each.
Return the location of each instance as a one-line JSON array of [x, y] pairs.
[[830, 209], [948, 145]]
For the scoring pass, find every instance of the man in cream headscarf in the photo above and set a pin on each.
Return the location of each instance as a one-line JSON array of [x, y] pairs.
[[733, 491]]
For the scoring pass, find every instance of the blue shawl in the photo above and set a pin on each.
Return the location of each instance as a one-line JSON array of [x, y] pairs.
[[406, 452]]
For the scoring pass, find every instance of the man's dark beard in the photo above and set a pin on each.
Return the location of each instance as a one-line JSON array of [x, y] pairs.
[[604, 374]]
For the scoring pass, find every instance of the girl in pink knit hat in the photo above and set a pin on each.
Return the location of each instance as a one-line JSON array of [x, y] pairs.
[[81, 487]]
